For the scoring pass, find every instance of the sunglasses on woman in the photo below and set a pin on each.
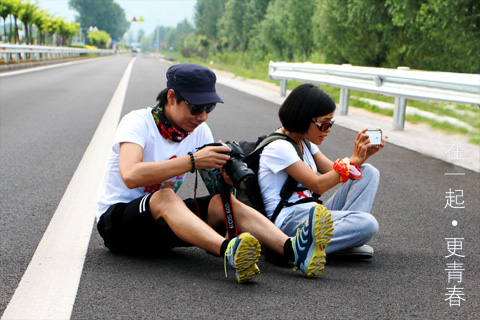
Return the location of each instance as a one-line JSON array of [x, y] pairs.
[[195, 110], [324, 126]]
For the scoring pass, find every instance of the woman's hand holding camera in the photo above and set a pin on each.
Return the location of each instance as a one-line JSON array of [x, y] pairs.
[[363, 149]]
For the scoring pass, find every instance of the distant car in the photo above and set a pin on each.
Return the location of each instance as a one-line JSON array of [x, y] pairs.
[[136, 51]]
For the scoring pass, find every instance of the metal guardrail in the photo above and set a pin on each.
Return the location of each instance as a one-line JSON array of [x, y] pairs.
[[400, 83], [19, 53]]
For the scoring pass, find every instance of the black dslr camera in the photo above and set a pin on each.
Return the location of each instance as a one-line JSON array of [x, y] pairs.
[[236, 169]]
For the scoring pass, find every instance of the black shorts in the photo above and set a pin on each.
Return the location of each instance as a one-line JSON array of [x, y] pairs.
[[129, 228]]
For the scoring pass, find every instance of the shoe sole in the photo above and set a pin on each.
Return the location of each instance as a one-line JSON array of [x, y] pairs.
[[248, 253], [323, 235], [248, 274], [354, 254]]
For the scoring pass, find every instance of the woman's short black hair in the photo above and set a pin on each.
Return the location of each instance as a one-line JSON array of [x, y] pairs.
[[303, 104], [162, 97]]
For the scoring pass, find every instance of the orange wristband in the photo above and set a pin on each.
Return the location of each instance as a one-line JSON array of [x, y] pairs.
[[342, 166]]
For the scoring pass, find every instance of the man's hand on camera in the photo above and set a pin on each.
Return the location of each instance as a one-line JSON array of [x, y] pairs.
[[211, 157]]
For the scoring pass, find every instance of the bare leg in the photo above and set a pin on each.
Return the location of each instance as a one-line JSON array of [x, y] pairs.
[[165, 204], [249, 220]]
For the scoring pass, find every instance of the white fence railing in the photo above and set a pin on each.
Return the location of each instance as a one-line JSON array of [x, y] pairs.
[[17, 53], [400, 83]]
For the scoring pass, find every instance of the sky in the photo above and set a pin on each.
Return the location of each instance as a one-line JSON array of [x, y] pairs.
[[166, 13]]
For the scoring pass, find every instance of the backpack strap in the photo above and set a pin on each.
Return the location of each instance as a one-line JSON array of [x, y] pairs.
[[290, 185]]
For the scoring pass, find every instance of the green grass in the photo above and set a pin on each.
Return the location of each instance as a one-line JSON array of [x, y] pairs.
[[247, 66]]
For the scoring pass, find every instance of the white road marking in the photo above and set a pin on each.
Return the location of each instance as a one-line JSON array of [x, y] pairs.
[[49, 286], [51, 66]]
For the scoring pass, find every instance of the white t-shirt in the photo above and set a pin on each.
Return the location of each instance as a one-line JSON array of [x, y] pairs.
[[274, 158], [139, 127]]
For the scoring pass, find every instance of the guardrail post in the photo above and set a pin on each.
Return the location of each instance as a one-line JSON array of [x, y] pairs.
[[344, 100], [283, 87], [399, 113]]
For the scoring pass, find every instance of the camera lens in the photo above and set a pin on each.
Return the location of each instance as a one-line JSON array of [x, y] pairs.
[[246, 181], [239, 173]]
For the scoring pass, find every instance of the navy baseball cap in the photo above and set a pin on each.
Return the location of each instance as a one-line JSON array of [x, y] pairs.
[[195, 83]]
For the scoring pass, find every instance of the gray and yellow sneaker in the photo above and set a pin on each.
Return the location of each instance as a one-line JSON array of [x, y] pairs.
[[242, 255]]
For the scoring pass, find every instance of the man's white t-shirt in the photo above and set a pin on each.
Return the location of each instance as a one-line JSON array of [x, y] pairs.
[[139, 127], [274, 158]]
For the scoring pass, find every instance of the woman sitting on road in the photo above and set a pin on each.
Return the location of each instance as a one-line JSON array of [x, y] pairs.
[[307, 115]]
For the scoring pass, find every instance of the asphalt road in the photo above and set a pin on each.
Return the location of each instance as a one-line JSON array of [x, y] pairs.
[[47, 119]]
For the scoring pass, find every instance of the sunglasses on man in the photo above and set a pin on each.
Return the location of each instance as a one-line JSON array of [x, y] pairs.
[[195, 110], [324, 126]]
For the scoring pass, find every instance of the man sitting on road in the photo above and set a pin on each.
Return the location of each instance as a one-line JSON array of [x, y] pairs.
[[154, 148]]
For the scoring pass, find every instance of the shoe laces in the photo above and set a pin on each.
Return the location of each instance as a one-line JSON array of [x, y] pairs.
[[228, 253], [299, 230]]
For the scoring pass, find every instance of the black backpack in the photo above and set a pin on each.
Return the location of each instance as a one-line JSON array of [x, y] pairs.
[[252, 195]]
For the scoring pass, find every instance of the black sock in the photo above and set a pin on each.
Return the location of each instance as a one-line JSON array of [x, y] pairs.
[[288, 250], [223, 247]]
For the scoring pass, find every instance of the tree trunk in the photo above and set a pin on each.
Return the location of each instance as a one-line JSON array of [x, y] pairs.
[[17, 36], [10, 32], [5, 27], [25, 27]]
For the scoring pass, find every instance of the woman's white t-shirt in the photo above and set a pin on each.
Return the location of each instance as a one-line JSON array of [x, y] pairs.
[[274, 159], [139, 127]]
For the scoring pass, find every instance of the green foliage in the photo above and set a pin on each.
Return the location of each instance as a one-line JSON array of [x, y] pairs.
[[26, 15], [242, 65], [236, 27], [352, 31], [242, 36], [5, 11], [160, 35], [105, 15], [98, 38], [177, 37], [230, 25], [207, 15], [272, 39], [436, 34], [35, 22], [300, 24], [203, 43], [18, 10], [40, 20]]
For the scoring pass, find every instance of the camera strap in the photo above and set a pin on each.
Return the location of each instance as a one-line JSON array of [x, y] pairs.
[[230, 222], [225, 195]]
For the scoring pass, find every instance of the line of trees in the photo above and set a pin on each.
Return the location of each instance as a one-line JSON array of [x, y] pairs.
[[103, 19], [106, 15], [442, 35], [19, 14]]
